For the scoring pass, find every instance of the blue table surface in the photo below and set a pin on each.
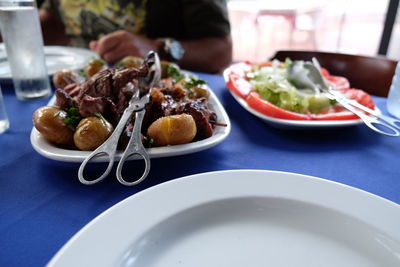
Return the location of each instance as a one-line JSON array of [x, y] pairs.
[[42, 203]]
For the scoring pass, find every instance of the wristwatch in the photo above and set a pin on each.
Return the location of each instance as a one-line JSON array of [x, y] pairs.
[[172, 50]]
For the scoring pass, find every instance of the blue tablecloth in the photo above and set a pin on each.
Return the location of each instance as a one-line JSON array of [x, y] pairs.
[[42, 203]]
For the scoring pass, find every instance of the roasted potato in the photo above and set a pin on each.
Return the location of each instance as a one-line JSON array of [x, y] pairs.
[[92, 132], [172, 130], [130, 62], [49, 121], [94, 66], [64, 77], [198, 92]]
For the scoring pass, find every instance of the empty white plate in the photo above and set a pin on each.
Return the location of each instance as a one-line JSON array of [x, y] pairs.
[[57, 58], [241, 218]]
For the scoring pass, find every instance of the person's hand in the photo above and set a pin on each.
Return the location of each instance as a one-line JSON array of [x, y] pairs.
[[117, 45]]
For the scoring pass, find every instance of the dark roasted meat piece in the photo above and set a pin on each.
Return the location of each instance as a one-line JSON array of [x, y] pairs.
[[201, 114], [63, 99], [159, 106], [108, 92], [89, 105]]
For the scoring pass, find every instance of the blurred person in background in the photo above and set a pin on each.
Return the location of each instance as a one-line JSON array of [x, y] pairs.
[[193, 33]]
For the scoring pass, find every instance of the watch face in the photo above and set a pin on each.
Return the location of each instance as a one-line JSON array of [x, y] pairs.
[[175, 50]]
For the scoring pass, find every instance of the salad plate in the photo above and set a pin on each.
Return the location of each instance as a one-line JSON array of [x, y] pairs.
[[240, 69], [50, 151], [263, 218], [296, 124], [57, 58]]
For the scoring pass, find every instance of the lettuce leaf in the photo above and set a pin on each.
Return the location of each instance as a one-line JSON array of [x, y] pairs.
[[272, 84]]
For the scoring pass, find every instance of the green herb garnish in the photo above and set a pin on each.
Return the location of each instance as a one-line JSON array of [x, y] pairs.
[[82, 73], [100, 116], [175, 73], [194, 82], [73, 118], [147, 141]]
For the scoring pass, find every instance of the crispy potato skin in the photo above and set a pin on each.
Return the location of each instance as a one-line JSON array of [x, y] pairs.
[[199, 92], [64, 77], [49, 121], [91, 133], [172, 130], [94, 67], [131, 62]]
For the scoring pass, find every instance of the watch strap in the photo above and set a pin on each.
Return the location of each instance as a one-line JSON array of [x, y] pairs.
[[171, 50]]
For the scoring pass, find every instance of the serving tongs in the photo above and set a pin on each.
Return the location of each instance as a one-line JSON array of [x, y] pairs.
[[309, 76], [135, 147]]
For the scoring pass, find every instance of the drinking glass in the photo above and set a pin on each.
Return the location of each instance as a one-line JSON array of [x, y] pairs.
[[22, 35], [393, 100], [4, 122]]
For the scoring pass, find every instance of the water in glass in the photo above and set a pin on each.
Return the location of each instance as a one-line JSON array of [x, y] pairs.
[[4, 122], [22, 35]]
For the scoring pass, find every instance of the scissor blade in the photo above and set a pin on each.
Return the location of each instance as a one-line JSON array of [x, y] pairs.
[[153, 76]]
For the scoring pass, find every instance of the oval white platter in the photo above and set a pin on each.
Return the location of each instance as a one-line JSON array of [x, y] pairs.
[[50, 151]]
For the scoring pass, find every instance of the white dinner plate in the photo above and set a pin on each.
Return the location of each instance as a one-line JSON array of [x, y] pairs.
[[290, 124], [57, 58], [50, 151], [241, 218]]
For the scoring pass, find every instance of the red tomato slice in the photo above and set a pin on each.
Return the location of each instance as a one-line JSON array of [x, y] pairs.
[[240, 68], [340, 83], [360, 96], [236, 81], [337, 112], [325, 72], [335, 115], [237, 85], [261, 105]]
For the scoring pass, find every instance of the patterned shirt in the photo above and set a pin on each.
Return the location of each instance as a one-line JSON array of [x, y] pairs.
[[87, 20]]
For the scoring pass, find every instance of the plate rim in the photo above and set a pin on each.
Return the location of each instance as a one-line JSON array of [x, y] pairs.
[[64, 50], [383, 208], [296, 123], [50, 151], [288, 123]]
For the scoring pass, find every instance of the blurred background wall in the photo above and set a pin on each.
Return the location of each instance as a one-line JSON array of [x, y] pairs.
[[261, 27]]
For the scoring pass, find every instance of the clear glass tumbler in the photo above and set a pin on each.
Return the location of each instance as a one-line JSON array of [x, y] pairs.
[[22, 35], [4, 122], [393, 101]]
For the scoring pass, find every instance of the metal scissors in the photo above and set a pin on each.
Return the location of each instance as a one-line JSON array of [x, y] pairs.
[[135, 147]]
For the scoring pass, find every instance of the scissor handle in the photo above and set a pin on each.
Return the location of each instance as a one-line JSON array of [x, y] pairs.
[[134, 147], [108, 148], [395, 123], [369, 120], [98, 152]]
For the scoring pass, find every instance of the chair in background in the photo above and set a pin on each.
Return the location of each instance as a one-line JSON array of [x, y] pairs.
[[371, 74]]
